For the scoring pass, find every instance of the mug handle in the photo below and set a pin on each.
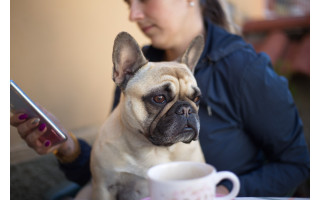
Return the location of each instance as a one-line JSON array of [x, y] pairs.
[[235, 182]]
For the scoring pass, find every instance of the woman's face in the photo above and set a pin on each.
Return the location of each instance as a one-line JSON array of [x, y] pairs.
[[163, 21]]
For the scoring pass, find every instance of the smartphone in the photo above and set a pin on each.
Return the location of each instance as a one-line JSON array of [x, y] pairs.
[[21, 103]]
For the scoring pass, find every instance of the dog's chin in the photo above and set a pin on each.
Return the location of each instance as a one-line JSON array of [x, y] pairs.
[[187, 135]]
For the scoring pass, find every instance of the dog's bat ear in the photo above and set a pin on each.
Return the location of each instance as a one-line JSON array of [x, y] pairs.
[[193, 52], [127, 58]]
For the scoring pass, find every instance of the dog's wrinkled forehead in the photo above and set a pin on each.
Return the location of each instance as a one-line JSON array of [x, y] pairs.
[[177, 75]]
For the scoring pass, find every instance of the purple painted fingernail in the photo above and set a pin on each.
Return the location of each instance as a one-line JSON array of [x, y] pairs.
[[23, 116], [42, 127], [47, 143]]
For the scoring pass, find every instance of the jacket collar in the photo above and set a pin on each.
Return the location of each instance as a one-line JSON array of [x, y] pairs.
[[218, 44]]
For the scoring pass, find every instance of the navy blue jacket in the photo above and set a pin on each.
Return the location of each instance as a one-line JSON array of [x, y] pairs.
[[249, 122]]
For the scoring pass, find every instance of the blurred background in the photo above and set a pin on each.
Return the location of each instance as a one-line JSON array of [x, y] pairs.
[[61, 57]]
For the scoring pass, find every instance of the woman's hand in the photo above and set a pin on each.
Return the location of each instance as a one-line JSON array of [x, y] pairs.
[[222, 190], [30, 130]]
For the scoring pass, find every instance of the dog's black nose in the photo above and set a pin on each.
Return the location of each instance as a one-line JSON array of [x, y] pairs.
[[184, 110]]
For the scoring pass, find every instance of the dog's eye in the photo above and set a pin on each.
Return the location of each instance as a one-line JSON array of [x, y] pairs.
[[196, 99], [159, 99]]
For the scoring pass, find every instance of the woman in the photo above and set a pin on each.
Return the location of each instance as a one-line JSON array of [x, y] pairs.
[[249, 123]]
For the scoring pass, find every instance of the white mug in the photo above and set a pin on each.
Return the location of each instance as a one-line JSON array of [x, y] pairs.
[[188, 181]]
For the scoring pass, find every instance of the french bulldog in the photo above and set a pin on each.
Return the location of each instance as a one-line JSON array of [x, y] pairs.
[[156, 120]]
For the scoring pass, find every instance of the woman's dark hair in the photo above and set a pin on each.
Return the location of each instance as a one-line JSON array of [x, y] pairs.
[[213, 10]]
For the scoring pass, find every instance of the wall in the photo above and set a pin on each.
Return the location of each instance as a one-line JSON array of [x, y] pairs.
[[61, 56]]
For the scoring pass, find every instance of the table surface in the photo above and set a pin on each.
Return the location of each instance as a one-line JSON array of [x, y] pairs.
[[270, 198], [262, 198]]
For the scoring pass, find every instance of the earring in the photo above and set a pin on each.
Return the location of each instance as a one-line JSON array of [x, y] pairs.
[[191, 3]]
